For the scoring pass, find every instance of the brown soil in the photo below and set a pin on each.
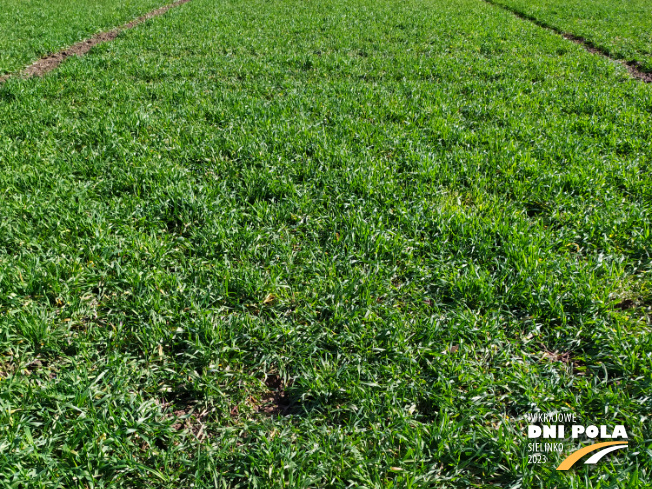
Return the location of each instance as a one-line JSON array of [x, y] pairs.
[[626, 304], [566, 358], [186, 417], [276, 401], [634, 68], [51, 61]]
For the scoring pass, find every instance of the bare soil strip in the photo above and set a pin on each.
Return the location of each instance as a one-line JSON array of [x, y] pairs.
[[634, 67], [51, 61]]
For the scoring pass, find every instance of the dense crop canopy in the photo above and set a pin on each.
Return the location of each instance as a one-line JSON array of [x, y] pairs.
[[322, 244]]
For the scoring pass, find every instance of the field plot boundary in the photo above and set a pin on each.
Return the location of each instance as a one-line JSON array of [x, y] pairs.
[[50, 62], [634, 67]]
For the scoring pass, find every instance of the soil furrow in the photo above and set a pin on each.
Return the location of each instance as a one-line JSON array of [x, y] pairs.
[[634, 67], [51, 61]]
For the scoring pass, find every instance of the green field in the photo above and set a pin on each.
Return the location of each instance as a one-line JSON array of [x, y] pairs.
[[621, 28], [30, 29], [340, 244]]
